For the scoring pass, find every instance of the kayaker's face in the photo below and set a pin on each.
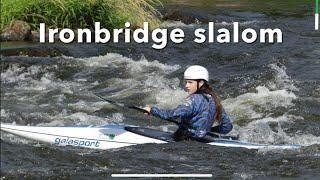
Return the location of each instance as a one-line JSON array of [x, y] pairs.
[[191, 86]]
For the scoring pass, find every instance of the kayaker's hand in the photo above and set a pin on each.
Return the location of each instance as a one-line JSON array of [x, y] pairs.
[[147, 108]]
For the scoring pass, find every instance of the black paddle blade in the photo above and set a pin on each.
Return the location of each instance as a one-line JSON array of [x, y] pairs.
[[138, 109], [222, 136]]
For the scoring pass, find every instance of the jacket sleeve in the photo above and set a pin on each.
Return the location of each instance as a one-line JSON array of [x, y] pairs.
[[182, 111], [225, 125]]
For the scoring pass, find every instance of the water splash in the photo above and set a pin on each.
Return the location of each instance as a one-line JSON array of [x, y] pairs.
[[142, 75], [258, 104], [282, 80], [264, 116]]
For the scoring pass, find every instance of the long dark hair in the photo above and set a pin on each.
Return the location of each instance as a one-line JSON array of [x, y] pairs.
[[206, 88]]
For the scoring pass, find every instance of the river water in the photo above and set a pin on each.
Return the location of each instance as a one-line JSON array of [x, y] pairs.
[[270, 91]]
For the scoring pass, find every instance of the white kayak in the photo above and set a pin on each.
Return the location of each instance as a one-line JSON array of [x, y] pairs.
[[114, 136]]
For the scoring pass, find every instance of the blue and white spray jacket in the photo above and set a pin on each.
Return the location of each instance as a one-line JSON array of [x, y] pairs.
[[196, 115]]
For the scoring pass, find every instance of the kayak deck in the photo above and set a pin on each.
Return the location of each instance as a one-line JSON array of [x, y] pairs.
[[168, 137], [116, 136]]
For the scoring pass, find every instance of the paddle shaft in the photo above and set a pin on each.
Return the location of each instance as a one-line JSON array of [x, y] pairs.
[[122, 104], [145, 111], [130, 107]]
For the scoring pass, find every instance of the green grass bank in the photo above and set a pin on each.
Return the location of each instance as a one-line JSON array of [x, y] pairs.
[[79, 14], [114, 13]]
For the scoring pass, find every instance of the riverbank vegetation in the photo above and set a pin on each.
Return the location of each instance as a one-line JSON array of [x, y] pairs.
[[114, 13], [79, 14]]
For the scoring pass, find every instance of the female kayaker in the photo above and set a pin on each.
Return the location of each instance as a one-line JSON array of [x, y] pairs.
[[200, 110]]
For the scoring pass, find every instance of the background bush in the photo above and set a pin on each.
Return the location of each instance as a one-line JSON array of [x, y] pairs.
[[79, 14]]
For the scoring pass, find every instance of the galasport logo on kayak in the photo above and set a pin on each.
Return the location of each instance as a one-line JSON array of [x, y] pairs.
[[76, 142]]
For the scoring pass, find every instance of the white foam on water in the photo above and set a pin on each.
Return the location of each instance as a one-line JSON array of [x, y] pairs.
[[24, 76], [86, 106], [53, 122], [114, 60], [257, 109], [81, 118], [143, 76], [84, 118], [146, 76], [127, 87], [137, 67], [243, 175], [168, 98], [31, 84], [27, 79], [254, 108], [4, 113], [178, 24], [305, 139], [260, 131], [166, 92], [254, 105], [282, 80], [240, 23], [15, 73]]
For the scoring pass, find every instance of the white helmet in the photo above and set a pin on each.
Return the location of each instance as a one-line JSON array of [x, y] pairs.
[[196, 72]]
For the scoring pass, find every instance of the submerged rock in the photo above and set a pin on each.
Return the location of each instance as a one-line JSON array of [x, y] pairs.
[[17, 31], [186, 16], [177, 15]]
